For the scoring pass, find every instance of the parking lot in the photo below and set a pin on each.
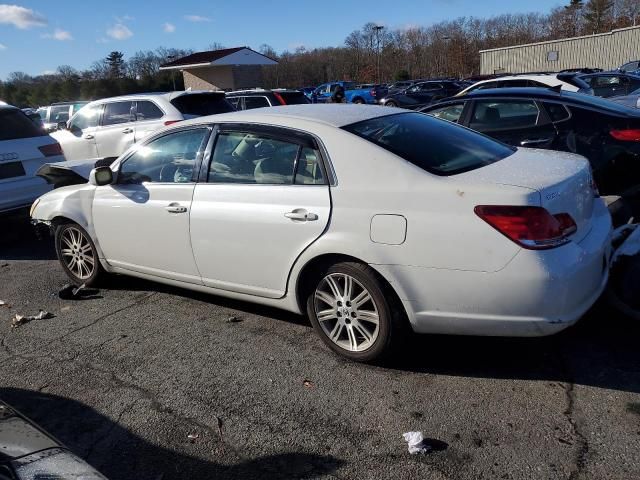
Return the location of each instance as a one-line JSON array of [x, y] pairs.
[[151, 382]]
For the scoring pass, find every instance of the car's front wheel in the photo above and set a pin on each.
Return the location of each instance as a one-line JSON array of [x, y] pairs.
[[77, 254], [390, 103], [351, 311]]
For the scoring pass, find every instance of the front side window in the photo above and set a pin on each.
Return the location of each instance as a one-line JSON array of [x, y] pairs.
[[146, 110], [450, 112], [255, 102], [59, 114], [438, 147], [168, 159], [86, 117], [491, 115], [118, 112]]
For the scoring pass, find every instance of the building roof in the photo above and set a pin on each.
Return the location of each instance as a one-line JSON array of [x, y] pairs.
[[227, 56]]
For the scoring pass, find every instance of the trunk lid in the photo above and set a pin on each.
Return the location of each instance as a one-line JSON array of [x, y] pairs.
[[563, 180]]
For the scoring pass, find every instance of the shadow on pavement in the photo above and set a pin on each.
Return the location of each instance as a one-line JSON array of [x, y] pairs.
[[20, 242], [120, 454]]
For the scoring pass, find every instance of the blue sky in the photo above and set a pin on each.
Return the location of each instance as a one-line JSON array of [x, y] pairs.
[[37, 36]]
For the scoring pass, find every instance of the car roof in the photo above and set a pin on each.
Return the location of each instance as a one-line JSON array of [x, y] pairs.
[[167, 95], [610, 74], [258, 91], [8, 107], [335, 115]]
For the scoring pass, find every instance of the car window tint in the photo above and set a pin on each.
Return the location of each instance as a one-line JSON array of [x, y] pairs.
[[235, 101], [494, 115], [15, 124], [147, 111], [309, 170], [520, 82], [117, 112], [200, 104], [59, 113], [436, 146], [605, 81], [294, 98], [241, 157], [86, 117], [168, 159], [450, 112], [557, 111], [255, 102], [485, 86]]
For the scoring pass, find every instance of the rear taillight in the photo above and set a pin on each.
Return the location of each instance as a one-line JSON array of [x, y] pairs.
[[533, 228], [627, 135], [279, 97], [170, 122], [51, 150], [373, 93]]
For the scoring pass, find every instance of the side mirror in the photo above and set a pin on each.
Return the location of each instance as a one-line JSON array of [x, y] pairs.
[[101, 176]]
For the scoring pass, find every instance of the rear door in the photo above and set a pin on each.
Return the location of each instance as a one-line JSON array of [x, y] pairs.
[[264, 200], [517, 122], [117, 129]]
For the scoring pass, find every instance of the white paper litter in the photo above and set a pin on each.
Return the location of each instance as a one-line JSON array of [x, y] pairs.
[[415, 441]]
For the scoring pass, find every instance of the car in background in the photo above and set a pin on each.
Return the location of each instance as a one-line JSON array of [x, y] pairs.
[[353, 94], [464, 235], [402, 84], [259, 97], [606, 133], [27, 452], [630, 67], [632, 100], [24, 148], [105, 128], [308, 91], [58, 114], [608, 84], [421, 94], [35, 117], [566, 81]]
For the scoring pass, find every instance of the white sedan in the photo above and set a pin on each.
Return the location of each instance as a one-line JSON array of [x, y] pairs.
[[373, 221]]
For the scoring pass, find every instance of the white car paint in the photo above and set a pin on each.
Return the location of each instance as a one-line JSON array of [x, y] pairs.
[[453, 273], [550, 80]]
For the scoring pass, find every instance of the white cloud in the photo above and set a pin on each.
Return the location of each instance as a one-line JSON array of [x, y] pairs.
[[119, 32], [126, 18], [20, 17], [168, 27], [58, 34], [197, 18], [48, 72], [3, 47]]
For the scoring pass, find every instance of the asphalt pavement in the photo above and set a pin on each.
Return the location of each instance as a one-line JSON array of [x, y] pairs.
[[149, 382]]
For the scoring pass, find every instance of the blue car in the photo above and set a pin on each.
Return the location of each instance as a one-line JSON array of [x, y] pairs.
[[352, 93]]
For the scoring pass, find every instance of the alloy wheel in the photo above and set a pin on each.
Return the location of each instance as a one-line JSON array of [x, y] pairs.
[[346, 312], [77, 253]]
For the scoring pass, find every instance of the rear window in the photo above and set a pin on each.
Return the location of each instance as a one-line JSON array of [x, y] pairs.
[[201, 104], [294, 98], [437, 146], [14, 125]]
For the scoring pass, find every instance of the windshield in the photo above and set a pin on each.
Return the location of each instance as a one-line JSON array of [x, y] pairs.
[[201, 104], [437, 146], [14, 125]]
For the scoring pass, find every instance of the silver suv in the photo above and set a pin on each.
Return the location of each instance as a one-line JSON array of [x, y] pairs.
[[106, 128]]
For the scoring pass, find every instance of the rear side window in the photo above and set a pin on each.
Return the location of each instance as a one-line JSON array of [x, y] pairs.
[[491, 115], [293, 98], [439, 147], [14, 125], [147, 111], [449, 112], [557, 111], [201, 104], [255, 102]]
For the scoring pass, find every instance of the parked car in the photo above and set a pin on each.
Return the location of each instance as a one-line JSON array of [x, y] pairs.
[[58, 114], [34, 116], [352, 94], [566, 81], [607, 133], [259, 97], [24, 147], [421, 94], [630, 67], [464, 235], [27, 452], [609, 84], [106, 128], [308, 91], [402, 84]]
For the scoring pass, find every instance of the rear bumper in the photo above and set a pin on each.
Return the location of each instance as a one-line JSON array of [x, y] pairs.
[[538, 293], [21, 192]]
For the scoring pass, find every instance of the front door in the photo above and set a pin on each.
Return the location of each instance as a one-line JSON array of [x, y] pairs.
[[142, 220], [265, 200], [78, 141]]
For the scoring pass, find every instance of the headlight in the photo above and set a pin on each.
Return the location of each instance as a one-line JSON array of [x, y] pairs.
[[54, 463], [33, 207]]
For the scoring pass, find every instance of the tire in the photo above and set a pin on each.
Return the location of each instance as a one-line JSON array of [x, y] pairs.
[[358, 101], [78, 255], [348, 329], [391, 103]]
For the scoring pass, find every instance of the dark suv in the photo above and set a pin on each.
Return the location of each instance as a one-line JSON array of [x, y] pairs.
[[257, 98]]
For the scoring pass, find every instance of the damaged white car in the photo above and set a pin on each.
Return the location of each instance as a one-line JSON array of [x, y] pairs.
[[372, 221]]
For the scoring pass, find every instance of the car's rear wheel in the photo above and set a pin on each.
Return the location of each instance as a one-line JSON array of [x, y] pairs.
[[390, 103], [352, 313], [77, 254], [359, 101]]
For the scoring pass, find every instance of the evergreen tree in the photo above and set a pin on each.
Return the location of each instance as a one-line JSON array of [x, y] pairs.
[[115, 63], [597, 15]]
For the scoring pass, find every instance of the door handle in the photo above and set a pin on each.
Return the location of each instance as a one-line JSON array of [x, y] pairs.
[[127, 130], [88, 136], [535, 141], [175, 208], [301, 215]]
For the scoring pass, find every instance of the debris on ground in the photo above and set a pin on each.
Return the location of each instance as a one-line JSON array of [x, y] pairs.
[[193, 437], [234, 319], [308, 383], [4, 265], [19, 320], [416, 442], [4, 304]]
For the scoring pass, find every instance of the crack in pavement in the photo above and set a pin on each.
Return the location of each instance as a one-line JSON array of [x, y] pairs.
[[583, 444]]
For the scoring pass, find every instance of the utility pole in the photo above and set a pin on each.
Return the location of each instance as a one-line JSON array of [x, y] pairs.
[[377, 29]]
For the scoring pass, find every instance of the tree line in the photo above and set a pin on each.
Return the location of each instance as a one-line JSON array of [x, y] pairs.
[[371, 54]]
